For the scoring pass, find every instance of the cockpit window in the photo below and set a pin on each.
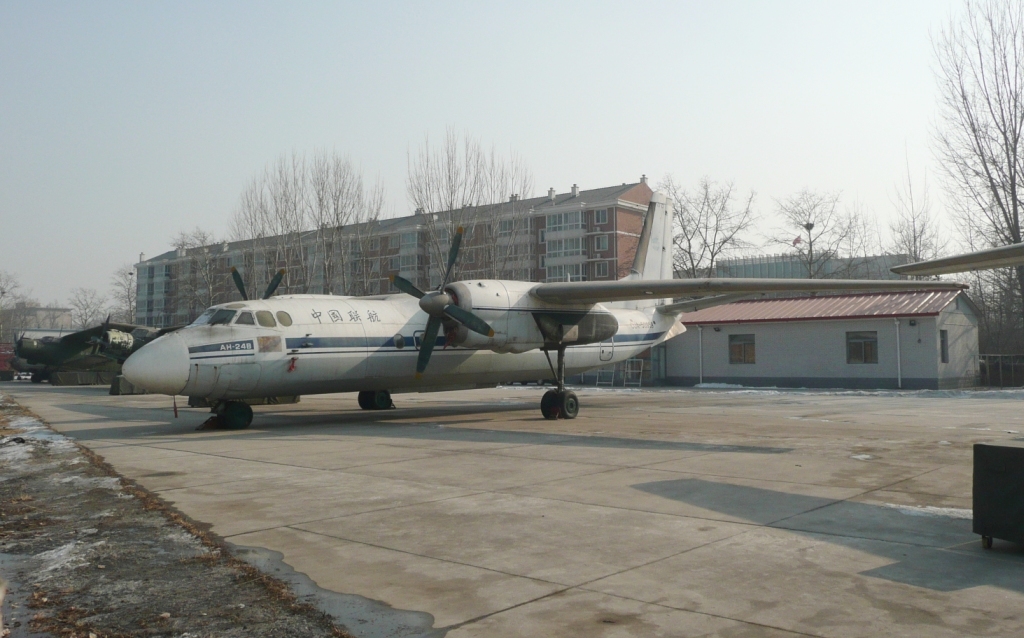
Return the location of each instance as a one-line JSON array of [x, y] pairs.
[[245, 319], [284, 318], [266, 319], [222, 316], [204, 318]]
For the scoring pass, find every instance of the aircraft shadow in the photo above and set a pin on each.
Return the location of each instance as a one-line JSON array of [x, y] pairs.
[[933, 552], [372, 425]]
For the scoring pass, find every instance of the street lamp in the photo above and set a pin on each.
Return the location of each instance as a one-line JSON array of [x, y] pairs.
[[809, 226]]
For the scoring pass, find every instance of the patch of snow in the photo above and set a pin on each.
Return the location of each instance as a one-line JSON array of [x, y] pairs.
[[862, 457], [928, 510], [104, 482]]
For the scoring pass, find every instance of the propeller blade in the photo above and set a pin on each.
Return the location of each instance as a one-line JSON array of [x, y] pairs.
[[427, 345], [274, 283], [407, 286], [97, 342], [453, 254], [468, 319], [239, 283]]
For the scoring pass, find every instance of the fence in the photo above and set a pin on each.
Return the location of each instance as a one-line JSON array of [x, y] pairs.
[[1001, 370]]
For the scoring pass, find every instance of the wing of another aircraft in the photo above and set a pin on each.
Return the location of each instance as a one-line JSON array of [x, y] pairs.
[[85, 337], [1004, 256], [587, 292]]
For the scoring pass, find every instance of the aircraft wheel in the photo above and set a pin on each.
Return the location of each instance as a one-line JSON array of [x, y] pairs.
[[569, 404], [382, 400], [237, 415], [549, 405], [37, 378], [366, 399]]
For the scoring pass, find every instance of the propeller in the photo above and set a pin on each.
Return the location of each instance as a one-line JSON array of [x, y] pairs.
[[97, 342], [438, 305], [271, 287]]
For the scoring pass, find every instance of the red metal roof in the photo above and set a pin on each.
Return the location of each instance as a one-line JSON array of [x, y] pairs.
[[865, 306]]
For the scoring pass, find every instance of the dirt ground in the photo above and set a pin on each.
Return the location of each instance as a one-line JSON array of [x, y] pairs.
[[88, 554]]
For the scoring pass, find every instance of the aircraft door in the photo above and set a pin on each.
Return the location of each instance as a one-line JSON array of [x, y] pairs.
[[607, 350]]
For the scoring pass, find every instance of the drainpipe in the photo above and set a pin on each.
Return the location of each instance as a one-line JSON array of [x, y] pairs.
[[700, 354], [899, 368]]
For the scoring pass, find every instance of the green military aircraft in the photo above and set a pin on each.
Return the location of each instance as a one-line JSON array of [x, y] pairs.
[[102, 348]]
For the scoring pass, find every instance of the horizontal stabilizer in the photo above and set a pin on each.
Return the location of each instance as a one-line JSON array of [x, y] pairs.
[[1002, 257]]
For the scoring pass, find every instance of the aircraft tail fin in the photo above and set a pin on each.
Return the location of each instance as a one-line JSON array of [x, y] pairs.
[[653, 258]]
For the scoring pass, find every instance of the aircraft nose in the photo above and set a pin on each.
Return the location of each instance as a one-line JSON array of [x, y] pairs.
[[161, 366]]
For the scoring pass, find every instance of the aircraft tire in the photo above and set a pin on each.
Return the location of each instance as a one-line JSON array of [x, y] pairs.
[[569, 405], [366, 399], [382, 400], [237, 415], [549, 405], [37, 377]]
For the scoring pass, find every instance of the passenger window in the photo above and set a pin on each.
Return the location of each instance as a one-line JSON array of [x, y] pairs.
[[245, 319], [222, 316], [265, 319], [284, 318]]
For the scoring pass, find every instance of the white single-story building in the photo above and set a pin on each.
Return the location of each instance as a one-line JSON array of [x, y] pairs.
[[912, 340]]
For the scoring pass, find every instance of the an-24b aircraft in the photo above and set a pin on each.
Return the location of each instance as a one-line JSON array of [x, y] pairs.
[[473, 334]]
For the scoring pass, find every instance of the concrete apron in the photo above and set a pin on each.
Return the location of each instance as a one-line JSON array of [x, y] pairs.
[[655, 513]]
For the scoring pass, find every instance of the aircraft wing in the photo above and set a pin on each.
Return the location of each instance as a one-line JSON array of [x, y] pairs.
[[585, 292], [83, 336], [1012, 255]]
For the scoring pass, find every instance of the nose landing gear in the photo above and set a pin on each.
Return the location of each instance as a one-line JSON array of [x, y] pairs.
[[229, 415], [560, 403], [375, 400]]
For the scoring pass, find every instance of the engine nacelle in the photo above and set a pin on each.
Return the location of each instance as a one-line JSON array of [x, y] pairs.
[[522, 323], [117, 344]]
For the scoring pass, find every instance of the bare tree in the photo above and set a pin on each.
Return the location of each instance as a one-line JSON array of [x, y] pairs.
[[981, 85], [54, 317], [9, 286], [503, 234], [198, 276], [123, 293], [363, 270], [708, 224], [915, 230], [823, 235], [87, 307], [460, 184]]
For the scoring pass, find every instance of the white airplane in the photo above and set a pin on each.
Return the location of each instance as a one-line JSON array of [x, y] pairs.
[[474, 334]]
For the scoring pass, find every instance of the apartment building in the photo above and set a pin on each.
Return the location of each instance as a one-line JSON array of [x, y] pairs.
[[575, 235]]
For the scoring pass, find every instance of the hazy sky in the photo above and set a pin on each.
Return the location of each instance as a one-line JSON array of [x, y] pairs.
[[124, 123]]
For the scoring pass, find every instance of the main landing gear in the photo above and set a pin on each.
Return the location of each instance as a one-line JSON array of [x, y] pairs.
[[375, 400], [560, 403], [229, 415]]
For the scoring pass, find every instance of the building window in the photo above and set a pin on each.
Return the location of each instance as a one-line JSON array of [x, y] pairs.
[[564, 221], [565, 247], [601, 242], [601, 269], [410, 240], [568, 272], [407, 262], [741, 349], [505, 227], [167, 270], [601, 216], [394, 265], [540, 235], [862, 347], [944, 345]]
